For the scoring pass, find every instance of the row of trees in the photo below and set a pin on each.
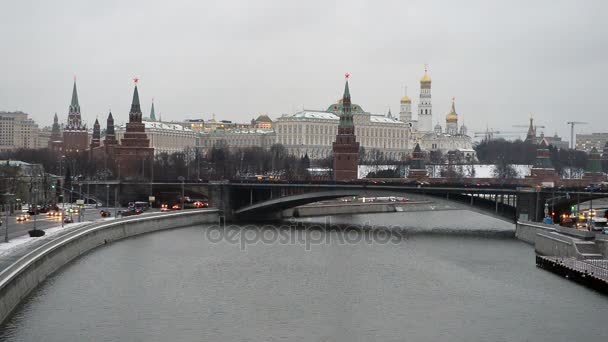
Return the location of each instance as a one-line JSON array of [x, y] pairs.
[[222, 162]]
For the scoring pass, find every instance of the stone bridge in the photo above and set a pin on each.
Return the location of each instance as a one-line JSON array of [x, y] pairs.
[[265, 200]]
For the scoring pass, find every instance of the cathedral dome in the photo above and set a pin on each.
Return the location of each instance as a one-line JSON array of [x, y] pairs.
[[406, 99], [452, 116]]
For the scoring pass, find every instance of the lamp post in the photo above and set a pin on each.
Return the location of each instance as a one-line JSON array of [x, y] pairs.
[[108, 196], [181, 179], [7, 199], [35, 206]]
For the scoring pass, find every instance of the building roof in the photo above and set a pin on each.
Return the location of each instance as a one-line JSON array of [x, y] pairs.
[[383, 119], [308, 114], [263, 118], [162, 125]]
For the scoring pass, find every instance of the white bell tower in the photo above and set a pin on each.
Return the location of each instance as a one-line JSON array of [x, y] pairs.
[[425, 108]]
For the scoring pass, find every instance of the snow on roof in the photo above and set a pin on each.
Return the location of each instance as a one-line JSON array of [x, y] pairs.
[[240, 131], [383, 119], [162, 125], [307, 114]]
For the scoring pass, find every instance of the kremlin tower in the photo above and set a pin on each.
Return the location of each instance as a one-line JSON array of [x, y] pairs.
[[75, 135], [134, 149], [346, 147], [56, 141], [425, 108]]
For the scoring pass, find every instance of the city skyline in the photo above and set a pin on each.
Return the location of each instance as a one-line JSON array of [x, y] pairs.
[[238, 68]]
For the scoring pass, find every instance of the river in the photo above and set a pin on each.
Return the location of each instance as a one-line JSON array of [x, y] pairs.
[[446, 276]]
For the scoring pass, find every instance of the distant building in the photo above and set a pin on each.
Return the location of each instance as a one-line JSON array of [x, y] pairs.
[[586, 142], [17, 131], [237, 138], [262, 122], [166, 137]]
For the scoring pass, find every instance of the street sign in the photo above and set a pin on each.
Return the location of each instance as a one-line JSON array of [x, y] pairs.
[[79, 202], [151, 198]]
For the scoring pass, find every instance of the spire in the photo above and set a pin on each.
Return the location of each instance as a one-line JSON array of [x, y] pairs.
[[531, 136], [152, 115], [96, 130], [74, 119], [110, 127], [346, 117], [56, 131], [346, 90], [74, 103], [135, 108], [135, 113]]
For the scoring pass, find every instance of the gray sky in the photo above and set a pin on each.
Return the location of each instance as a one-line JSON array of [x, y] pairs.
[[502, 60]]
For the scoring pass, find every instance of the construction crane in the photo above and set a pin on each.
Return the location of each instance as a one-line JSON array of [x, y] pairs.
[[572, 123]]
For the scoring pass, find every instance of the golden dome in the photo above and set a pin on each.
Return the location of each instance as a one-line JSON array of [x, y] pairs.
[[406, 99], [426, 78], [452, 116]]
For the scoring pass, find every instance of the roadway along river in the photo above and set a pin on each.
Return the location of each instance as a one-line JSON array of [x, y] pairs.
[[468, 281]]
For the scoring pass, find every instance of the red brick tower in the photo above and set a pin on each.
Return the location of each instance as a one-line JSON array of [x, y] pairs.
[[417, 165], [346, 147], [134, 149]]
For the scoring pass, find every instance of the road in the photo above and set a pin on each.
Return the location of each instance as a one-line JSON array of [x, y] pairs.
[[44, 222]]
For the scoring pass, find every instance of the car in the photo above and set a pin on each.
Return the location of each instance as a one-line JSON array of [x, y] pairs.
[[53, 214], [68, 219], [176, 207], [105, 213], [23, 217], [130, 212], [201, 204], [164, 207]]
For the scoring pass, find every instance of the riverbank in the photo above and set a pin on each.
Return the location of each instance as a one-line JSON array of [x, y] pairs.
[[24, 274]]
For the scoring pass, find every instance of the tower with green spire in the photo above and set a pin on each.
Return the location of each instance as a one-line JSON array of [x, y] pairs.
[[346, 147], [152, 114], [75, 135], [74, 117], [56, 141]]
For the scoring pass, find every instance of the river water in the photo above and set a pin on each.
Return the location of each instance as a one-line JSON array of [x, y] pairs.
[[447, 276]]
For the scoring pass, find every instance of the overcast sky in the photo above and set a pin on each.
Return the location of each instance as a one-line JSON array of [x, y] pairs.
[[502, 60]]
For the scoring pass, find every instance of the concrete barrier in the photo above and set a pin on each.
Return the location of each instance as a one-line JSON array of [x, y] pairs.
[[527, 231], [555, 244], [19, 279]]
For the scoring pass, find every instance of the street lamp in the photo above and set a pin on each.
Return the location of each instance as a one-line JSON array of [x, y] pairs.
[[35, 206], [181, 179], [108, 196], [7, 199]]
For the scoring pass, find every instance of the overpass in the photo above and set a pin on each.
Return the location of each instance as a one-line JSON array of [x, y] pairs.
[[254, 200]]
